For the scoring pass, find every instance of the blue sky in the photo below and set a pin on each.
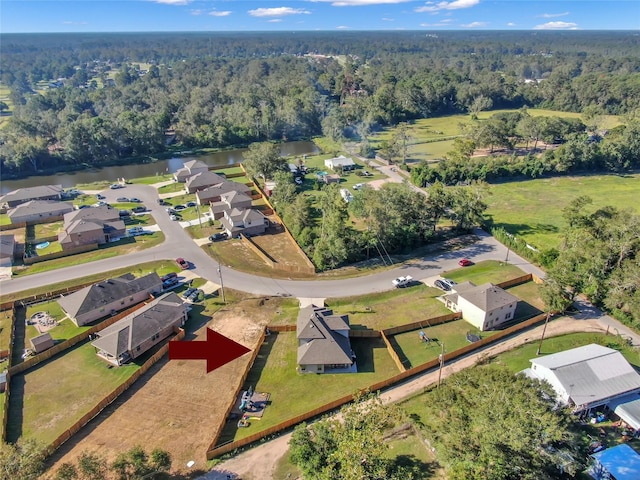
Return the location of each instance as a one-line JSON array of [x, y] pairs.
[[282, 15]]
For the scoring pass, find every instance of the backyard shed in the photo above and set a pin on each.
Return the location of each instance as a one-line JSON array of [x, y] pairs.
[[620, 462], [42, 342]]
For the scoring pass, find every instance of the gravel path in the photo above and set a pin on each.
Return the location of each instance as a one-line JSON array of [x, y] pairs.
[[258, 463]]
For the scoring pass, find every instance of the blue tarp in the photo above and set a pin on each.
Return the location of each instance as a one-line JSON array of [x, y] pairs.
[[622, 462]]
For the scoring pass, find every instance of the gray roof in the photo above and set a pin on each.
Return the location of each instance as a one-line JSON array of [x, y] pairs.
[[41, 339], [629, 410], [191, 164], [40, 206], [487, 297], [134, 329], [41, 191], [317, 326], [7, 245], [222, 188], [102, 214], [100, 294], [341, 160], [204, 179], [591, 373]]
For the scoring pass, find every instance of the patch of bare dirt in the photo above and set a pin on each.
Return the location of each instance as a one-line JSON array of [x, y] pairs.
[[175, 406]]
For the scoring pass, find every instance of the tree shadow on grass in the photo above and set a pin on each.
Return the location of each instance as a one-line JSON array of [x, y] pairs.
[[410, 466]]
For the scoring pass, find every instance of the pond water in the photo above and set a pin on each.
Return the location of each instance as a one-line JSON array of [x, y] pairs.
[[111, 174]]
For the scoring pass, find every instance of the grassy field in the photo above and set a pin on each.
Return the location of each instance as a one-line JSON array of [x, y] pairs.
[[47, 400], [483, 272], [274, 371], [43, 230], [432, 138], [108, 250], [4, 219], [413, 352], [153, 179], [6, 321], [4, 97], [532, 209], [65, 330]]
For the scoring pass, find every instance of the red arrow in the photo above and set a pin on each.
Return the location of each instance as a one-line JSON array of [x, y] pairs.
[[217, 350]]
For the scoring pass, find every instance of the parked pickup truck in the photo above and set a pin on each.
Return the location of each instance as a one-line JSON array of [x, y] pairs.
[[402, 282]]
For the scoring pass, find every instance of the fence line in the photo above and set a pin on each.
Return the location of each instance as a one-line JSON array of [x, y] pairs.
[[393, 353], [7, 388], [429, 322], [64, 436], [365, 333], [281, 328], [47, 354], [64, 253], [515, 281], [217, 451], [254, 355]]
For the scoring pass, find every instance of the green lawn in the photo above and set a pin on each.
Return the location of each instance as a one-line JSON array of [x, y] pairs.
[[530, 303], [483, 272], [153, 179], [392, 308], [532, 209], [54, 247], [108, 250], [4, 219], [44, 230], [6, 320], [55, 395], [172, 188], [274, 371], [413, 352]]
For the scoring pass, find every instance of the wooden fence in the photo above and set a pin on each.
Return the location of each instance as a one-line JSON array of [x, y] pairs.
[[64, 253], [7, 391], [365, 333], [47, 354], [12, 226], [64, 436], [281, 328], [515, 281], [429, 322], [214, 452], [392, 353], [309, 266], [254, 355]]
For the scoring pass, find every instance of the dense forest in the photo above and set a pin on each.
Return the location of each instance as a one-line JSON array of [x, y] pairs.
[[96, 98]]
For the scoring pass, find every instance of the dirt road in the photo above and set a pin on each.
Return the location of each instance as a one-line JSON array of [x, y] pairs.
[[259, 462]]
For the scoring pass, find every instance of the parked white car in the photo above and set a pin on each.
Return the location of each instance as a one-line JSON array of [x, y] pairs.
[[402, 282]]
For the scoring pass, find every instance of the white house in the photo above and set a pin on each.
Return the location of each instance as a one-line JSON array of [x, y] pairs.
[[487, 307], [340, 162], [587, 377]]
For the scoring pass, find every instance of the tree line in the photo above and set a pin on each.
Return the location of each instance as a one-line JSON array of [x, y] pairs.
[[217, 90]]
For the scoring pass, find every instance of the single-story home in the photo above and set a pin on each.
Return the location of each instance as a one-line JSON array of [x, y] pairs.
[[323, 342], [229, 201], [247, 221], [189, 169], [87, 226], [38, 211], [215, 192], [587, 377], [486, 307], [329, 178], [105, 298], [616, 463], [42, 342], [341, 162], [7, 249], [202, 180], [133, 335], [23, 195]]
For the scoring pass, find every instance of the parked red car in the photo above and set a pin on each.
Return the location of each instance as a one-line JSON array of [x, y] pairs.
[[182, 263], [465, 262]]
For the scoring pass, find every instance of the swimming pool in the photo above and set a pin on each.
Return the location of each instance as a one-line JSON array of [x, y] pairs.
[[42, 245]]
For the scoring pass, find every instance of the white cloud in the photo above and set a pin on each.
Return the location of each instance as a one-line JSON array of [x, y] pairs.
[[216, 13], [173, 2], [474, 24], [70, 22], [359, 3], [441, 24], [511, 24], [197, 12], [343, 27], [553, 15], [384, 19], [557, 26], [455, 5], [274, 20], [277, 12]]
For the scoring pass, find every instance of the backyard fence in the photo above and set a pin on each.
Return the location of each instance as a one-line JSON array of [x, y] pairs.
[[392, 353], [365, 334], [429, 322], [64, 253], [7, 388], [254, 355], [515, 281], [47, 354], [12, 226], [309, 266], [281, 328], [112, 396], [214, 451]]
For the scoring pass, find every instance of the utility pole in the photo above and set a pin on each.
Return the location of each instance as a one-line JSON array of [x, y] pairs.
[[506, 260], [544, 329], [224, 300], [441, 358]]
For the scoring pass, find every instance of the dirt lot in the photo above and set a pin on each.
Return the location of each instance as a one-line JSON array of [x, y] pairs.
[[176, 406], [280, 247]]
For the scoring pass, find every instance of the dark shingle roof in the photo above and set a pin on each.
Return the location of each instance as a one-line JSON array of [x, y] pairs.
[[97, 295], [134, 329], [204, 179], [41, 191], [317, 326], [40, 206]]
